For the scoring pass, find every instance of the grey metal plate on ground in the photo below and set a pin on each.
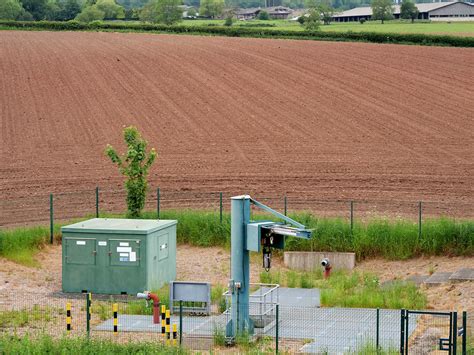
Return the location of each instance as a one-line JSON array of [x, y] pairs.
[[438, 278], [289, 297], [418, 279], [466, 274]]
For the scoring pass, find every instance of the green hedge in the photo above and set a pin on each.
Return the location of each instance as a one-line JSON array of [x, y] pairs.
[[238, 31]]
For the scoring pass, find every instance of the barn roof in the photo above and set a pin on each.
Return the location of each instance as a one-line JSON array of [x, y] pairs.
[[424, 7]]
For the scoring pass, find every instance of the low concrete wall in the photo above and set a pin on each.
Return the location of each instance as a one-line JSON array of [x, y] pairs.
[[309, 261]]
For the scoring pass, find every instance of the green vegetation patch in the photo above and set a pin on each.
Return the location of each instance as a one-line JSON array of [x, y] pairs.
[[48, 345], [239, 31], [31, 317], [353, 290]]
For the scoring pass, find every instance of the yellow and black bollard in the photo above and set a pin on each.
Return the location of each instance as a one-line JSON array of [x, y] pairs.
[[168, 325], [175, 334], [168, 334], [163, 319], [115, 310], [68, 317]]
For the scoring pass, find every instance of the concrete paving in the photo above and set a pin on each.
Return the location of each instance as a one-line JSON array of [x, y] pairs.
[[466, 274], [438, 278], [418, 279]]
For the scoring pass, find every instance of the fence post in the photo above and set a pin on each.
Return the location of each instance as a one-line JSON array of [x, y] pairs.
[[51, 219], [464, 333], [455, 332], [220, 207], [377, 335], [277, 328], [97, 202], [158, 203], [286, 205], [180, 322], [352, 216], [88, 313], [402, 331], [419, 220]]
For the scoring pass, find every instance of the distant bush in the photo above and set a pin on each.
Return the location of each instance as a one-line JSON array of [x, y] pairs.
[[263, 15], [229, 21], [362, 21], [239, 31]]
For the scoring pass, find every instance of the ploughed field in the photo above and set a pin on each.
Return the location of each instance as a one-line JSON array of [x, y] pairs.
[[321, 119]]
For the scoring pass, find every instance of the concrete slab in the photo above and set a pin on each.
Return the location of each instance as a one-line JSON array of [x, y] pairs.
[[438, 278], [309, 261], [418, 279], [466, 274]]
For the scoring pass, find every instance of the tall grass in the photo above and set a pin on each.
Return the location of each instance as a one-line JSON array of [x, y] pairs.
[[48, 345], [392, 239], [20, 245], [353, 290]]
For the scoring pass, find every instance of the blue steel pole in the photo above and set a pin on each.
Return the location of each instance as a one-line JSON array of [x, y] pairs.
[[240, 265]]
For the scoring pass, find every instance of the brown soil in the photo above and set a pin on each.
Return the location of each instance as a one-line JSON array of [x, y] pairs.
[[320, 119]]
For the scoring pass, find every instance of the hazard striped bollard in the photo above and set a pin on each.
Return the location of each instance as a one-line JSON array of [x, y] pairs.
[[115, 310], [168, 325], [68, 317], [175, 333], [163, 319], [168, 334]]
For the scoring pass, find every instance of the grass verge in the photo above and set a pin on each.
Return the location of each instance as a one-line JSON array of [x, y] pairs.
[[48, 345]]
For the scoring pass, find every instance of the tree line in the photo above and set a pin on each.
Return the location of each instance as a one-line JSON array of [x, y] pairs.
[[171, 11], [155, 11]]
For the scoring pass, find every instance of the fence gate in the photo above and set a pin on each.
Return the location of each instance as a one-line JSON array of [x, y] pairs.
[[426, 332]]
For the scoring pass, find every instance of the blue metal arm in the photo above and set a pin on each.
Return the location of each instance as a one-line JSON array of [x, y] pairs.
[[277, 214]]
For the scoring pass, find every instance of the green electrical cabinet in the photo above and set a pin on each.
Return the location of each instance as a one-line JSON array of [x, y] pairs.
[[118, 256]]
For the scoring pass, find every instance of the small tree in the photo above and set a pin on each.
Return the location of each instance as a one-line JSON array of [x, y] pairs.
[[263, 15], [192, 12], [229, 21], [211, 8], [90, 13], [382, 10], [111, 9], [327, 12], [162, 11], [408, 10], [312, 20], [10, 9], [134, 165]]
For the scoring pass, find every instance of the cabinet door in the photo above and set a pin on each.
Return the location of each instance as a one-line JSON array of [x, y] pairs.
[[80, 251], [124, 252]]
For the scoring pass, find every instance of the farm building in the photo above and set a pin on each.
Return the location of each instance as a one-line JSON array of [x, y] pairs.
[[275, 12], [438, 11]]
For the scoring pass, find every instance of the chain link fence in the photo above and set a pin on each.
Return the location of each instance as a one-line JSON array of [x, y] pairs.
[[285, 328], [65, 206]]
